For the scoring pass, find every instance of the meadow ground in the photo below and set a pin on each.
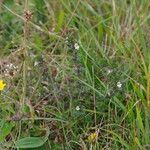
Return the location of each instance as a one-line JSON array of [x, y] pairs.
[[75, 74]]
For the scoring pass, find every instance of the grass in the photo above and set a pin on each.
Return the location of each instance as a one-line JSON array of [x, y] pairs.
[[77, 74]]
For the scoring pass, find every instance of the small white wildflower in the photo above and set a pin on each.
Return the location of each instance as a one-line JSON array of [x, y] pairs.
[[119, 84], [108, 93], [109, 71], [6, 70], [77, 108], [7, 65], [66, 40], [15, 67], [76, 46], [36, 63], [11, 66]]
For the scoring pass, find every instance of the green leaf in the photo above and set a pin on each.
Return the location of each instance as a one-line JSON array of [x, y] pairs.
[[89, 8], [139, 120], [138, 143], [25, 109], [38, 43], [5, 129], [100, 30], [60, 21], [30, 142], [120, 104]]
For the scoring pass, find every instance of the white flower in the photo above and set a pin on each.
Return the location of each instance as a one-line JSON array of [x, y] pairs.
[[66, 40], [108, 93], [119, 84], [36, 63], [77, 108], [109, 71], [76, 46]]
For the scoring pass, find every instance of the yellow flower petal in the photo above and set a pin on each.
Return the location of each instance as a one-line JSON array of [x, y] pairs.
[[2, 85], [93, 137]]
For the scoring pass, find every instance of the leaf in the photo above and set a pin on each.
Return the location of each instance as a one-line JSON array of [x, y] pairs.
[[38, 43], [120, 104], [100, 30], [138, 143], [89, 8], [118, 138], [60, 21], [5, 129], [32, 142], [139, 120]]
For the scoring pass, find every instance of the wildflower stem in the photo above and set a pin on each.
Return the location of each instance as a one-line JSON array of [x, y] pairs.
[[148, 89], [25, 33], [94, 99]]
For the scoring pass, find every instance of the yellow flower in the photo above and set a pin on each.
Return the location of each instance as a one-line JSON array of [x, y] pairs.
[[93, 137], [2, 85]]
